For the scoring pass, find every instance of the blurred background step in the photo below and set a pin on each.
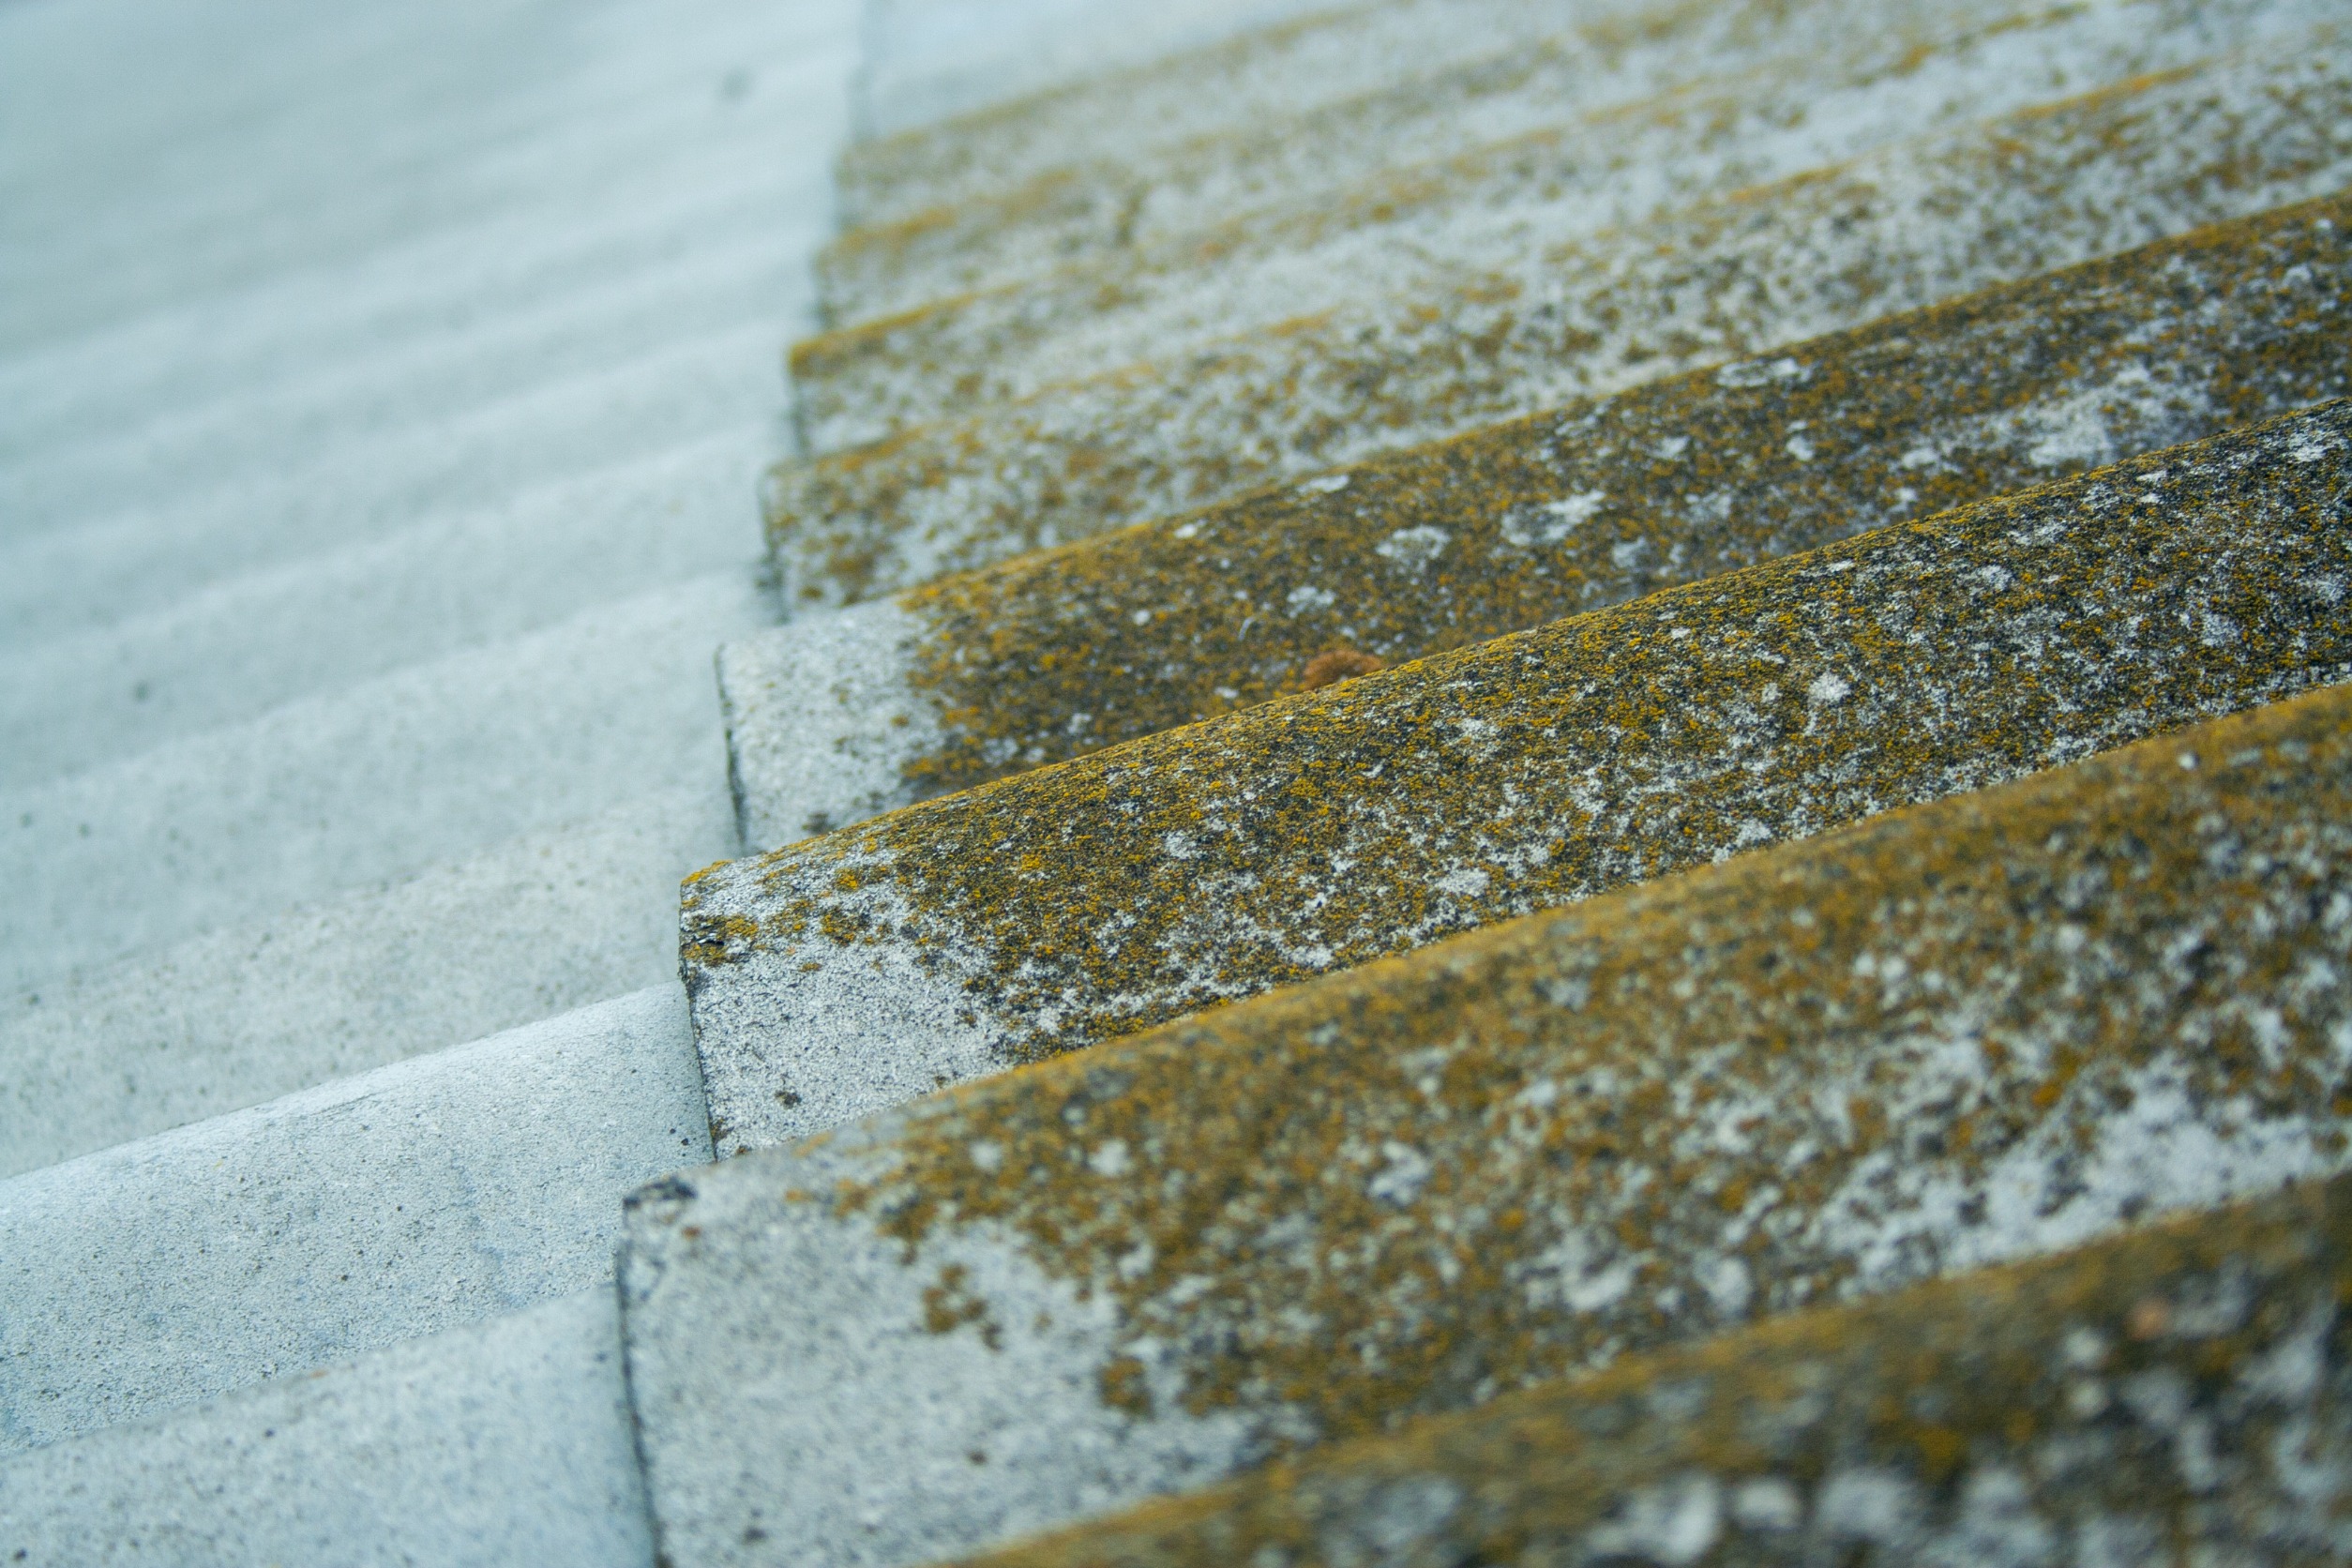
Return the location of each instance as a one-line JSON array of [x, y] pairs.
[[1955, 1035], [385, 1206], [1072, 904], [1427, 232], [502, 1443], [832, 718], [2179, 1389], [1727, 279]]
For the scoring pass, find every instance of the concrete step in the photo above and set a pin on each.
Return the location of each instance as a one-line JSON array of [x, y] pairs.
[[1897, 230], [1130, 201], [930, 60], [1322, 57], [1076, 903], [502, 1443], [834, 718], [542, 925], [1951, 1035], [383, 1207], [1427, 230], [437, 762], [2179, 1391]]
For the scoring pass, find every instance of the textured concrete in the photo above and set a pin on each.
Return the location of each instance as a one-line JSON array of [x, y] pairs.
[[489, 1446], [1959, 1034], [832, 718], [538, 926], [1072, 904], [1532, 326], [383, 1207], [2183, 1395]]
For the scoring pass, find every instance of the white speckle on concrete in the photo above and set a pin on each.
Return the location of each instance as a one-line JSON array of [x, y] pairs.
[[1413, 548], [822, 719], [1828, 687], [1329, 484], [761, 1458], [1672, 1524], [1308, 597], [1763, 372], [383, 1207], [492, 1445]]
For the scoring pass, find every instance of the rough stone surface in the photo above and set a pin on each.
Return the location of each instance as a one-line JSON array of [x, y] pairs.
[[383, 1207], [1725, 279], [2184, 1394], [1951, 1035], [502, 1443], [1423, 234], [1065, 906], [832, 718]]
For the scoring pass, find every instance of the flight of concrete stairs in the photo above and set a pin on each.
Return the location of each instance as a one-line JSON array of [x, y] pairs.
[[1613, 741]]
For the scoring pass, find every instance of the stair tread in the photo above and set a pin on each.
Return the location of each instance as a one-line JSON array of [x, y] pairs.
[[1896, 229], [1947, 1035], [2089, 1396], [500, 1444], [834, 718], [1060, 906], [388, 1206]]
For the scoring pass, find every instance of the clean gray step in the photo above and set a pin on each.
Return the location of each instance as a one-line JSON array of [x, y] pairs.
[[429, 763], [540, 924], [383, 1207], [503, 1443], [1956, 1035]]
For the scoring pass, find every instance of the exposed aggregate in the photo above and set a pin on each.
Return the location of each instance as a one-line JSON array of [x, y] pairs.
[[1106, 640], [2180, 1394], [1721, 279], [1955, 1034], [1318, 831], [1414, 235], [985, 224]]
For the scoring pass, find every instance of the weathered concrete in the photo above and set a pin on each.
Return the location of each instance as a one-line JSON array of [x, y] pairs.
[[381, 1208], [1103, 194], [1951, 1035], [1422, 236], [1722, 280], [832, 718], [1065, 906], [502, 1443], [2180, 1394], [1326, 57]]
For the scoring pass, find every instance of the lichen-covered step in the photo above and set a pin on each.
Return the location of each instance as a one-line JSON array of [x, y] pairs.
[[2181, 1393], [1050, 137], [386, 1207], [1148, 200], [834, 718], [1947, 1036], [487, 1446], [1426, 233], [1067, 905], [1724, 278]]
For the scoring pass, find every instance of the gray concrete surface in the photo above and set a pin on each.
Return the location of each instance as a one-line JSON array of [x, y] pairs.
[[383, 1207], [502, 1443]]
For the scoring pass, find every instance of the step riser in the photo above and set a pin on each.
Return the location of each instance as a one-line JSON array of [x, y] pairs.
[[2183, 1394], [382, 1208], [1419, 234], [834, 718], [480, 1449], [1053, 910], [1894, 232], [1948, 1037]]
